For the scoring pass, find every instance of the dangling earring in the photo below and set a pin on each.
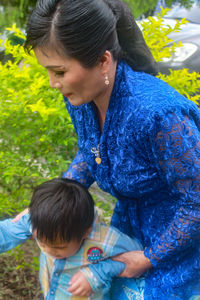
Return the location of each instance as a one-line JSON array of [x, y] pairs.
[[107, 82]]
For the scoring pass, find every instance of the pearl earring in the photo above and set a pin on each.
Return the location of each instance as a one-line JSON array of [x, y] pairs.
[[107, 82]]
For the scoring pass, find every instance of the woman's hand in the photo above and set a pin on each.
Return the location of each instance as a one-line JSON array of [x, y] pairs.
[[79, 286], [18, 217], [136, 263]]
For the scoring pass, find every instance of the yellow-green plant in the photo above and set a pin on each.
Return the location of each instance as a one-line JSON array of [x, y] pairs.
[[37, 139], [156, 36]]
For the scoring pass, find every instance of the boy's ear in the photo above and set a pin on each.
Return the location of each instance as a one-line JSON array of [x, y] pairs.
[[87, 232]]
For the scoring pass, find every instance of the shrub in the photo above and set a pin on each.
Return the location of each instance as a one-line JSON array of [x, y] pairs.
[[12, 11], [37, 139], [156, 36]]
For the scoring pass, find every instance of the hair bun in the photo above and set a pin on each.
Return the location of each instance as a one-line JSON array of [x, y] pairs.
[[134, 48]]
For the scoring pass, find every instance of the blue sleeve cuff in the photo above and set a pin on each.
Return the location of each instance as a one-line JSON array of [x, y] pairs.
[[78, 170], [13, 234], [104, 272]]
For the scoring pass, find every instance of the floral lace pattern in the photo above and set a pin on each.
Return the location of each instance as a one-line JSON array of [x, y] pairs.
[[177, 151], [78, 170], [150, 161]]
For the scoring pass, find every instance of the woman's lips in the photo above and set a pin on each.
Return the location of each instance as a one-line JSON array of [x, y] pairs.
[[67, 95]]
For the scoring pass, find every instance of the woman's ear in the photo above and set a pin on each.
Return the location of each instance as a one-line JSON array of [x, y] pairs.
[[105, 62]]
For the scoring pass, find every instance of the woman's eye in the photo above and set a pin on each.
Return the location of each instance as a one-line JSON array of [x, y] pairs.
[[59, 74]]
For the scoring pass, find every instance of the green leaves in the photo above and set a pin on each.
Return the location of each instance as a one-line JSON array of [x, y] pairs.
[[36, 133], [187, 84], [156, 34]]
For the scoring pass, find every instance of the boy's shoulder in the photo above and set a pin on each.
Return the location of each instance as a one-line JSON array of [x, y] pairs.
[[100, 241], [106, 241], [102, 232]]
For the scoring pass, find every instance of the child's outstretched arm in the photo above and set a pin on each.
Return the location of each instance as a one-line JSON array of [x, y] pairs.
[[13, 234]]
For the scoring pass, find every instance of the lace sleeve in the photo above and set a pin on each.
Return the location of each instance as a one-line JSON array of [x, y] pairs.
[[176, 149], [78, 170]]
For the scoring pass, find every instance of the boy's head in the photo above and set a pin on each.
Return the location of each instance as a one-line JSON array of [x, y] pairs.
[[61, 214]]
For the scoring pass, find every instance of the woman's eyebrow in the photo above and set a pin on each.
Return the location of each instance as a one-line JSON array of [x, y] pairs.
[[54, 66]]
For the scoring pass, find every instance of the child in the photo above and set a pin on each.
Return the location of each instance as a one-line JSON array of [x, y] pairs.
[[76, 249]]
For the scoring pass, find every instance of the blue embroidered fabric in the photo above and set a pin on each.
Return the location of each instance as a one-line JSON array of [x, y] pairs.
[[150, 161]]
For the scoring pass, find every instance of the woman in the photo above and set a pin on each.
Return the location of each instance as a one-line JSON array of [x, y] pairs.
[[137, 137]]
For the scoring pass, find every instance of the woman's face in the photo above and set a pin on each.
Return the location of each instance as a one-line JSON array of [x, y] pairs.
[[80, 85]]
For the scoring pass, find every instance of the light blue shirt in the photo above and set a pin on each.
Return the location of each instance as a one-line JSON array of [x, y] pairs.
[[93, 259]]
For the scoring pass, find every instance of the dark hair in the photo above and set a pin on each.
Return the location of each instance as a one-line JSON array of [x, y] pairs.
[[85, 29], [61, 209]]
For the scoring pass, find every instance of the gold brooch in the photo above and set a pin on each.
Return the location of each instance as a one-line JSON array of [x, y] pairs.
[[96, 152]]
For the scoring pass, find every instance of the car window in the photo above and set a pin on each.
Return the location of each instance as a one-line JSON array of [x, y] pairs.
[[191, 14]]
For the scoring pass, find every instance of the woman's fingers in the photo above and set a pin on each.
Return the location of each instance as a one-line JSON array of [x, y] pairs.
[[120, 257], [18, 217], [136, 263]]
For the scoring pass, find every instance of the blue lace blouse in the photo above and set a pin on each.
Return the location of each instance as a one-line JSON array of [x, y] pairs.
[[150, 161]]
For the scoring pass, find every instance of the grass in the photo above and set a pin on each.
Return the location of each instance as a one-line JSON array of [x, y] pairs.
[[19, 273]]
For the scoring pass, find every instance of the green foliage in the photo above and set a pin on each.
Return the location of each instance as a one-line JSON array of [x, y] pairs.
[[104, 202], [141, 7], [18, 254], [187, 84], [15, 11], [156, 36], [37, 137], [8, 16], [21, 282], [146, 7]]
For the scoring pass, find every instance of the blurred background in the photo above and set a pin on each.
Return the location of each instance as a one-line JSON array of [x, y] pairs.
[[16, 11]]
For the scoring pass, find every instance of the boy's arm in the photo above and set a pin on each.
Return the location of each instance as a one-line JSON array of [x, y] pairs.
[[100, 275], [13, 234], [84, 282]]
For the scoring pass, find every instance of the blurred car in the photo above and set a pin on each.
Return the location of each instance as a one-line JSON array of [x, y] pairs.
[[187, 56]]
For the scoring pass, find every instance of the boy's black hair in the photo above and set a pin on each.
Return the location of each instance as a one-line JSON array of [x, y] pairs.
[[61, 209]]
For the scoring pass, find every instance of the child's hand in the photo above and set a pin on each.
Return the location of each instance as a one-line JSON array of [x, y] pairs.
[[79, 286]]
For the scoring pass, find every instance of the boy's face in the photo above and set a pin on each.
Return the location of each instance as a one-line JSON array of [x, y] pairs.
[[60, 250]]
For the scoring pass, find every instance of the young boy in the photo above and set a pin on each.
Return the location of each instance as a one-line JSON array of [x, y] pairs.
[[76, 249]]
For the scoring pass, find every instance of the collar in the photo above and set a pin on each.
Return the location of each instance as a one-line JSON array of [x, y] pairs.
[[95, 233]]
